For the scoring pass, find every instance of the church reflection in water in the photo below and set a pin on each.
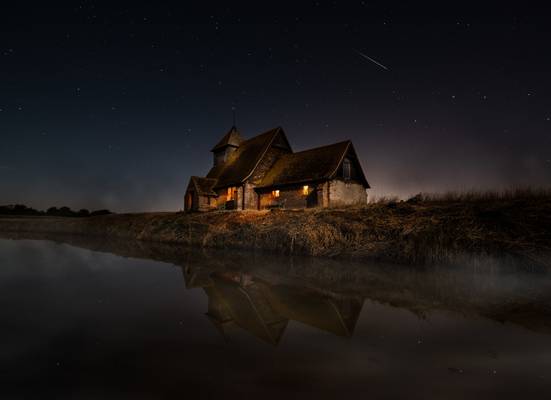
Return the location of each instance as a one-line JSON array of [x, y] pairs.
[[261, 294], [264, 309]]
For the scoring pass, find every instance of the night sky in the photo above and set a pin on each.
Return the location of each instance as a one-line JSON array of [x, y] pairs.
[[116, 106]]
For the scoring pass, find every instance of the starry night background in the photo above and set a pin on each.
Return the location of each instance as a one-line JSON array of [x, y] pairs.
[[114, 106]]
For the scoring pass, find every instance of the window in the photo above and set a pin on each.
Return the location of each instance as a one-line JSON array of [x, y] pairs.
[[346, 168], [305, 190], [232, 194], [219, 158], [275, 193]]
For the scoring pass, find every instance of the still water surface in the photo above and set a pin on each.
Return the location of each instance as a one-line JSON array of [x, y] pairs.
[[128, 320]]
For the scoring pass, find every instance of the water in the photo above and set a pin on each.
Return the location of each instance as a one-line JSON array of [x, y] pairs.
[[134, 321]]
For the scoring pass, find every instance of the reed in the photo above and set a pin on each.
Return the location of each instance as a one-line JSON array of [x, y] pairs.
[[422, 230]]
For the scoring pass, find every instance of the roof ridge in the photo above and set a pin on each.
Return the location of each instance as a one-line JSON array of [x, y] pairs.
[[323, 147], [263, 133]]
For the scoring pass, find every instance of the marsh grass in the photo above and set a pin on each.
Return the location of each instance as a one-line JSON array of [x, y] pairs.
[[519, 193], [425, 229]]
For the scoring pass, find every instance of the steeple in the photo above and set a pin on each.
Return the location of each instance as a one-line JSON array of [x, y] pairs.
[[227, 145], [232, 138]]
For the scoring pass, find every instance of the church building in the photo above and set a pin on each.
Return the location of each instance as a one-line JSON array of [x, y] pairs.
[[264, 172]]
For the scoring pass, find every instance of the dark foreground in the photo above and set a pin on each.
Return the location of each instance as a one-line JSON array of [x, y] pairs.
[[159, 322], [420, 231]]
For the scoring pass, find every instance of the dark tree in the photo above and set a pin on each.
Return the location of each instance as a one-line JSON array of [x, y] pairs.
[[100, 212], [52, 211], [83, 213]]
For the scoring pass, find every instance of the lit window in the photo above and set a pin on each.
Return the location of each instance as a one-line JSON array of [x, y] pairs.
[[305, 190], [275, 193], [230, 194]]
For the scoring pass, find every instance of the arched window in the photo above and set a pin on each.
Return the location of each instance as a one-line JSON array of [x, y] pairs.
[[346, 168]]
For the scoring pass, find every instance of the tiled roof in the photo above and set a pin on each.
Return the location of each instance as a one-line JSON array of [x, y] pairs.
[[204, 186], [310, 165], [232, 138], [242, 162]]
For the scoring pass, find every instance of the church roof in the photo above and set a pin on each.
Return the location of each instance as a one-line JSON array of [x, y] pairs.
[[204, 186], [315, 164], [242, 162], [232, 138], [249, 309]]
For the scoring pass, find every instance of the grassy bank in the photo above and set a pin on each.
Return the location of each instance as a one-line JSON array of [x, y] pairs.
[[424, 229]]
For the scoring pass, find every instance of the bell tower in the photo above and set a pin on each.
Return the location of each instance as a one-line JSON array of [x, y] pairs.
[[227, 145]]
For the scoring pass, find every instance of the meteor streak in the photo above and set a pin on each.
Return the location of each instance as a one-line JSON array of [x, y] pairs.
[[370, 59]]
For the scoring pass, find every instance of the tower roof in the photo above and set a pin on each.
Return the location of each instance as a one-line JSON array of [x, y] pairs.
[[232, 138], [244, 160]]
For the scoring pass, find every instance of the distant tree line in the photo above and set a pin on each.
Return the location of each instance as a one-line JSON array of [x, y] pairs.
[[20, 209]]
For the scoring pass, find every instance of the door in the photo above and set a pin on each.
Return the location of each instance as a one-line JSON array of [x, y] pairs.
[[312, 199], [189, 201]]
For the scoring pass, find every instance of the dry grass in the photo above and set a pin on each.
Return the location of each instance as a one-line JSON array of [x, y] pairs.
[[383, 199], [484, 196], [425, 229]]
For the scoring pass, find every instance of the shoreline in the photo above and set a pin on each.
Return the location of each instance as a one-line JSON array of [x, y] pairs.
[[404, 233]]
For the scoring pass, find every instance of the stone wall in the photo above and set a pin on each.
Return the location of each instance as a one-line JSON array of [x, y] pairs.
[[251, 197], [343, 193], [335, 193], [288, 198], [198, 202], [266, 200], [223, 197], [293, 197], [323, 194], [206, 203]]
